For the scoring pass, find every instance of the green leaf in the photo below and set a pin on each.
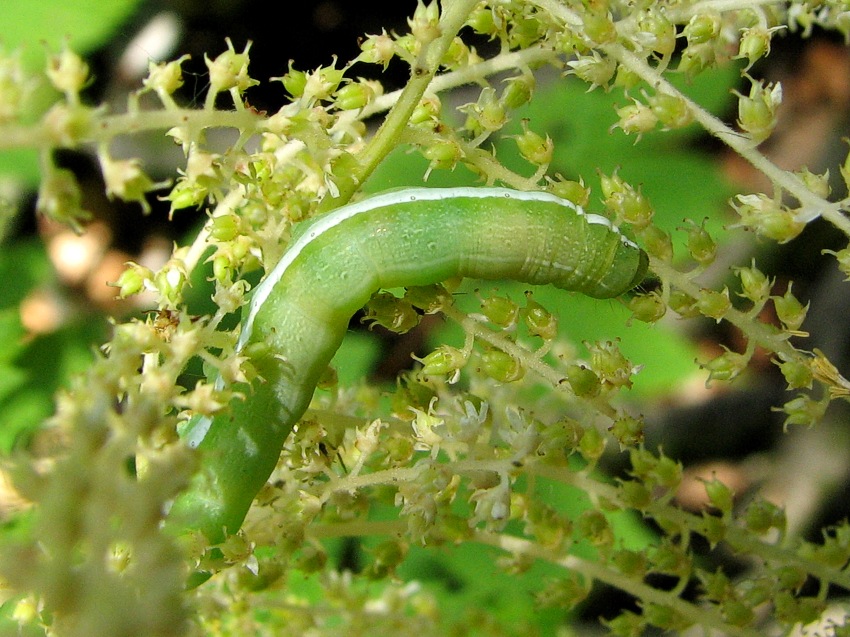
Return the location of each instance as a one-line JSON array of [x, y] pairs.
[[23, 265]]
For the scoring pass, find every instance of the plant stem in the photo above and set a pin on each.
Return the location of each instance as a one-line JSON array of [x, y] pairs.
[[704, 616], [756, 331], [422, 73], [555, 378], [469, 74], [815, 206], [107, 127]]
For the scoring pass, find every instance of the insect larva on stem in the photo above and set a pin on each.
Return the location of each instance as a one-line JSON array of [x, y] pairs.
[[297, 317]]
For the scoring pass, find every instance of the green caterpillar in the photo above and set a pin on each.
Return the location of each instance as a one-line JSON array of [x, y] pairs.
[[298, 316]]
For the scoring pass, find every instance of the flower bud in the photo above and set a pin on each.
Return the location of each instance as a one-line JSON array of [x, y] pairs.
[[500, 311], [700, 244], [385, 558], [671, 110], [593, 69], [628, 431], [657, 242], [566, 592], [789, 577], [229, 70], [126, 180], [458, 55], [757, 112], [599, 27], [627, 203], [643, 463], [68, 73], [817, 184], [762, 516], [727, 366], [443, 154], [427, 111], [540, 321], [443, 361], [696, 59], [501, 366], [668, 473], [592, 444], [790, 311], [224, 227], [518, 90], [844, 169], [525, 30], [15, 86], [702, 28], [574, 191], [425, 23], [755, 285], [482, 21], [803, 411], [720, 496], [354, 96], [631, 563], [294, 81], [429, 298], [390, 312], [755, 44], [768, 217], [322, 83], [487, 114], [169, 281], [377, 49], [610, 365], [583, 381], [665, 618], [647, 308], [843, 258], [68, 125], [132, 280], [626, 78], [636, 118], [222, 268], [797, 374], [683, 304], [593, 526], [714, 304], [662, 32], [165, 78], [186, 194]]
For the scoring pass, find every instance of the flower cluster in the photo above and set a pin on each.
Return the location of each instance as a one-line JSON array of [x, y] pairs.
[[513, 436]]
